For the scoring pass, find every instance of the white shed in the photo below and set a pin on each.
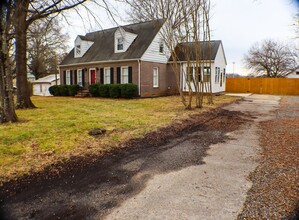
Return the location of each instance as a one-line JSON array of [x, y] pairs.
[[41, 86]]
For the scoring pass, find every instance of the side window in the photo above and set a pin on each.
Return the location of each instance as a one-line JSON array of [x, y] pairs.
[[156, 77], [216, 73]]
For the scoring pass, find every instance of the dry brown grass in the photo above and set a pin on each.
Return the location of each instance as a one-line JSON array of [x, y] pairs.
[[58, 128]]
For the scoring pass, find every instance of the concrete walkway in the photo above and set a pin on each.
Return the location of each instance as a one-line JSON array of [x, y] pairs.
[[214, 190]]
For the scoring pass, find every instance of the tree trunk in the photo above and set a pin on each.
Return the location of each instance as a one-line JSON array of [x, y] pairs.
[[23, 92], [7, 109]]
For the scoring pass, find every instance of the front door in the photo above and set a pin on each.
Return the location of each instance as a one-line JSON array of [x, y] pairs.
[[92, 76]]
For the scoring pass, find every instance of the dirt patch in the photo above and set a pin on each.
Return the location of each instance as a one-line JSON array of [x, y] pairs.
[[93, 185], [275, 190]]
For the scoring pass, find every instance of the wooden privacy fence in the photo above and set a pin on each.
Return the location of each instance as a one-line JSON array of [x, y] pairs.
[[275, 86]]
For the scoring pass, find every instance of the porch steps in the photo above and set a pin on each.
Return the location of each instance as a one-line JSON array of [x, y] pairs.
[[82, 93]]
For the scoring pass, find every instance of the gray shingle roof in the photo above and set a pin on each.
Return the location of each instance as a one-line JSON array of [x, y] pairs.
[[190, 48], [103, 47], [47, 79]]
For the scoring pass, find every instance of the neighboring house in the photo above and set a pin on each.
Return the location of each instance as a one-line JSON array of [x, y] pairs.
[[236, 75], [41, 86], [214, 67], [133, 53], [294, 75], [30, 77]]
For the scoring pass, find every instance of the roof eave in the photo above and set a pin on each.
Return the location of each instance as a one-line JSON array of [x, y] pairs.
[[98, 62]]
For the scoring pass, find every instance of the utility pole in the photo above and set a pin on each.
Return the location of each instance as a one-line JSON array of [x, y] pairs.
[[234, 69]]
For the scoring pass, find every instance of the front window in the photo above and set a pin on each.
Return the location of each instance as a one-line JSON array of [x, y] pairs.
[[68, 77], [192, 76], [124, 75], [78, 50], [161, 46], [120, 43], [107, 78], [156, 77], [206, 74], [79, 78]]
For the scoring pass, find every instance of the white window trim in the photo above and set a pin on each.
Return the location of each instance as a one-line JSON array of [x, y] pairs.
[[121, 74], [90, 69], [156, 85], [76, 51], [68, 79], [107, 68], [123, 43], [79, 79]]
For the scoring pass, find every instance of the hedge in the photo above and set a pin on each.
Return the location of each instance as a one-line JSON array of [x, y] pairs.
[[114, 90], [64, 90]]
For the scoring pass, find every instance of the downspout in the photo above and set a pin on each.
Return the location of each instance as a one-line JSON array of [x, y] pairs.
[[139, 80]]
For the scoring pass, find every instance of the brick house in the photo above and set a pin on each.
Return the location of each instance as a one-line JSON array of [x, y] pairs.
[[133, 53]]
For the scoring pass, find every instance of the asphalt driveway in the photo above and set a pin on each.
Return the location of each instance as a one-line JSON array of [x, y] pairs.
[[194, 170]]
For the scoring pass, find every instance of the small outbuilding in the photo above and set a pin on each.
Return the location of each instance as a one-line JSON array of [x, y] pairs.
[[41, 86]]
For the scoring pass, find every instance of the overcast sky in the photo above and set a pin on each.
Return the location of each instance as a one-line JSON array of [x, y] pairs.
[[238, 23]]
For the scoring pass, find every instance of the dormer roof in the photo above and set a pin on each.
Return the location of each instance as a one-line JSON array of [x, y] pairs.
[[84, 38], [103, 46]]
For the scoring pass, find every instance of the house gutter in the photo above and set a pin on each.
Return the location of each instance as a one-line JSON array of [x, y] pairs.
[[202, 61], [139, 74], [97, 62]]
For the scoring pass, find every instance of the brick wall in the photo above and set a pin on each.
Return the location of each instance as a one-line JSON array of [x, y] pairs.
[[167, 82], [133, 64]]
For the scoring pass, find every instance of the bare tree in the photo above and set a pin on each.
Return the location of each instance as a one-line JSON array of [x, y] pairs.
[[29, 11], [271, 59], [16, 17], [7, 109], [296, 24], [46, 44], [187, 21]]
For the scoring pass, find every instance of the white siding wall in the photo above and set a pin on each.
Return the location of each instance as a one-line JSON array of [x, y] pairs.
[[85, 45], [42, 89], [128, 39], [219, 62], [152, 53], [184, 85]]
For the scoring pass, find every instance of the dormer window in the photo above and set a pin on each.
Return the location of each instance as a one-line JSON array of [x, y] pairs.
[[120, 43], [78, 50], [161, 47]]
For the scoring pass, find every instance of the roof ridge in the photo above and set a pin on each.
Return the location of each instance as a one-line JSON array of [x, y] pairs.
[[199, 42], [126, 26]]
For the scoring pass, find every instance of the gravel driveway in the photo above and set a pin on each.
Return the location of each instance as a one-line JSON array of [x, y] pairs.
[[196, 169]]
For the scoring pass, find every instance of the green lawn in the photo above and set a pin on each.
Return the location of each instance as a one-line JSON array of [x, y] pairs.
[[58, 128]]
